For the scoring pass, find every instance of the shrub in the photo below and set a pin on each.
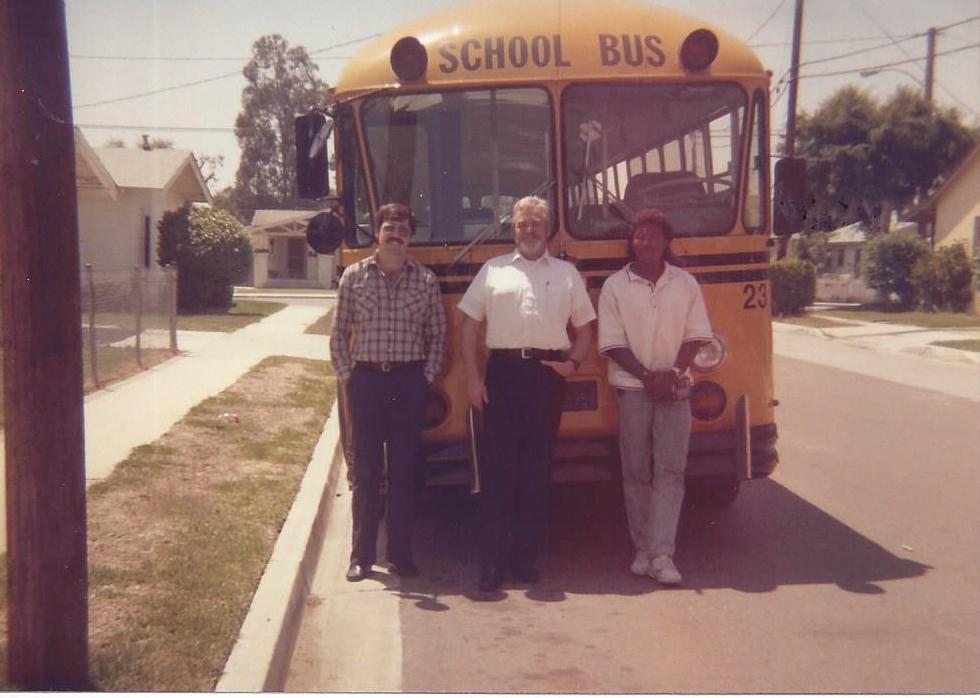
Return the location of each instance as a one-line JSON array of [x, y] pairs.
[[943, 280], [794, 286], [211, 250], [888, 263]]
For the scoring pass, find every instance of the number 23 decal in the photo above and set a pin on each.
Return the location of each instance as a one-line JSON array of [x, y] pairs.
[[756, 296]]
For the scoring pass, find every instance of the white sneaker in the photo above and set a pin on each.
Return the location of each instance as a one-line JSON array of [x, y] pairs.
[[641, 564], [662, 569]]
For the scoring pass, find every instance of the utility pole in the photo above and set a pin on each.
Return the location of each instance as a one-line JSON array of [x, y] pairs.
[[930, 62], [794, 74], [47, 579]]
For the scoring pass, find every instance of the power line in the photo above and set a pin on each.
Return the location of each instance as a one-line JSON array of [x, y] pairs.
[[768, 19], [181, 86], [889, 65], [83, 56]]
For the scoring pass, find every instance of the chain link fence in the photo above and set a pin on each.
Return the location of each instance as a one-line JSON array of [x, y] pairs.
[[129, 321]]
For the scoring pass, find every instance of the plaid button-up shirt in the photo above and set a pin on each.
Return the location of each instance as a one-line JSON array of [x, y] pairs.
[[377, 319]]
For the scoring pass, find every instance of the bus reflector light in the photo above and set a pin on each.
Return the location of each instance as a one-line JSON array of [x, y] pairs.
[[708, 401], [711, 355], [409, 58], [699, 50]]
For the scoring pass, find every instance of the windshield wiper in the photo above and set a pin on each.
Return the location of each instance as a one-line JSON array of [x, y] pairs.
[[494, 227]]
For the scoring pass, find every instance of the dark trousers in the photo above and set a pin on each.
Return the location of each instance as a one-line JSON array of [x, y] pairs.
[[519, 427], [385, 408]]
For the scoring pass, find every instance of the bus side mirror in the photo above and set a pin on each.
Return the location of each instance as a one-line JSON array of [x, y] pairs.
[[312, 161], [327, 229], [789, 197]]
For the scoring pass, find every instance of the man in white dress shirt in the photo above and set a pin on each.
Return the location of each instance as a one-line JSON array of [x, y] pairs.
[[528, 300], [652, 321]]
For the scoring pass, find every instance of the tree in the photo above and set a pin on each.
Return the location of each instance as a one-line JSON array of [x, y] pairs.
[[282, 83], [211, 249], [866, 159], [888, 263]]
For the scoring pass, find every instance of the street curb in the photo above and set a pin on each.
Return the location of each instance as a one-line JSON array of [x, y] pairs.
[[260, 659], [945, 353]]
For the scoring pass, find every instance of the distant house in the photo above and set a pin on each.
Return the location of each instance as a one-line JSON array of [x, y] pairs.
[[840, 280], [281, 256], [122, 194], [950, 215]]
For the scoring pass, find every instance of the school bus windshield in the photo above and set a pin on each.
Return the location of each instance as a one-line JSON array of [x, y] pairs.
[[460, 158], [672, 147]]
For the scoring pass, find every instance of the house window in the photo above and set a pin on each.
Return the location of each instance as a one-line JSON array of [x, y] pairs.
[[976, 236], [857, 260], [840, 259]]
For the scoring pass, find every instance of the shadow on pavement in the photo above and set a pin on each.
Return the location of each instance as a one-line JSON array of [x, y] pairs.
[[769, 538]]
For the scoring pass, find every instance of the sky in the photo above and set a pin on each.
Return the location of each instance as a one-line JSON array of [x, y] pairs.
[[121, 49]]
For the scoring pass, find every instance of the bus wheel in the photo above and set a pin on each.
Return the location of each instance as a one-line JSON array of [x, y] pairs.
[[713, 490]]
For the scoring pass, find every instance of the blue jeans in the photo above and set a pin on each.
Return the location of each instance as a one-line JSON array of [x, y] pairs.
[[657, 432]]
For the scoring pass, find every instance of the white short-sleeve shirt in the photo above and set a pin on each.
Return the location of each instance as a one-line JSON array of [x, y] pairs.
[[528, 304], [651, 320]]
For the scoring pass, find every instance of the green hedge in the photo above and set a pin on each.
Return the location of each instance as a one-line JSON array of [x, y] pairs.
[[211, 250], [794, 286], [943, 280]]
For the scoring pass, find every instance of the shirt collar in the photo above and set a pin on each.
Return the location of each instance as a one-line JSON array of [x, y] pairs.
[[516, 257], [410, 264], [669, 271]]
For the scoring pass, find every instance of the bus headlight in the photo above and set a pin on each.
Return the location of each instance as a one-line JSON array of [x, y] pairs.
[[708, 401], [711, 355]]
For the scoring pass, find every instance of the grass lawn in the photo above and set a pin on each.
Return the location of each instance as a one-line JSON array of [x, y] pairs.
[[180, 533], [965, 344], [241, 313], [322, 326], [910, 317], [810, 321]]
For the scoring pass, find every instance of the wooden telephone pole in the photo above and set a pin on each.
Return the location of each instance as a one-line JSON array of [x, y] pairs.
[[47, 580]]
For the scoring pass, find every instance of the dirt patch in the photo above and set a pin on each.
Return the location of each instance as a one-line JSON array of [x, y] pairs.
[[180, 533]]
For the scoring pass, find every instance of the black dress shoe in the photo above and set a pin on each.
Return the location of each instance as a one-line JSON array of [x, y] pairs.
[[356, 572], [406, 569], [490, 579], [526, 573]]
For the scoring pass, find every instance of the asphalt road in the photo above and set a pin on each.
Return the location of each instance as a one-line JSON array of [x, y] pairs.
[[856, 568]]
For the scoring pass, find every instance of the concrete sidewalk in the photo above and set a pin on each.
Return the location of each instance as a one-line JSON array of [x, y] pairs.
[[881, 336], [142, 408]]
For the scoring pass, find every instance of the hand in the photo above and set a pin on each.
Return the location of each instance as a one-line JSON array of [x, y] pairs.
[[660, 385], [562, 368], [476, 393]]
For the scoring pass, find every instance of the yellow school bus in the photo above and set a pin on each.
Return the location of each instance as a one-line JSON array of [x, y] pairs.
[[600, 108]]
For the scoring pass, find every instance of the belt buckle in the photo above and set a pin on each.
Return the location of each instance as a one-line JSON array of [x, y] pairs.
[[386, 367], [526, 353]]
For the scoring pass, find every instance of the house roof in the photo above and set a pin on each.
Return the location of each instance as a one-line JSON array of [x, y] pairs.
[[280, 220], [160, 168], [90, 173], [928, 207], [856, 233]]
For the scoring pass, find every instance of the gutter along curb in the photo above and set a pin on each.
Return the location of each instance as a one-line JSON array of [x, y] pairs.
[[260, 659]]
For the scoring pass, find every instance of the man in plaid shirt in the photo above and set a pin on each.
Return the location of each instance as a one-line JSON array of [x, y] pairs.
[[387, 345]]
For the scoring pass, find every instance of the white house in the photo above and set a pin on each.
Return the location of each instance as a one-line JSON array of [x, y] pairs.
[[950, 215], [281, 258], [122, 194]]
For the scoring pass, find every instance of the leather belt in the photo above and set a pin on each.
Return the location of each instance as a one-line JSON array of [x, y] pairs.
[[525, 353], [387, 366]]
